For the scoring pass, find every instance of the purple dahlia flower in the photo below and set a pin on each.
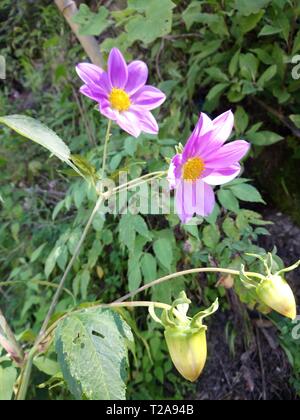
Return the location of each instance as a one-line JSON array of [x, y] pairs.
[[122, 93], [205, 161]]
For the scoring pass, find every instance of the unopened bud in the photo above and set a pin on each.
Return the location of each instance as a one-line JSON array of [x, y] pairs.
[[275, 292], [188, 350]]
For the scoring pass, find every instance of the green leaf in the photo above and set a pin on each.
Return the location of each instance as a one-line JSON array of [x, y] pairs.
[[141, 227], [149, 267], [216, 91], [217, 74], [296, 119], [246, 7], [191, 13], [264, 138], [91, 23], [155, 23], [248, 65], [247, 23], [46, 365], [211, 236], [8, 378], [247, 192], [134, 272], [39, 133], [241, 120], [269, 30], [230, 229], [163, 252], [228, 200], [92, 352], [267, 75]]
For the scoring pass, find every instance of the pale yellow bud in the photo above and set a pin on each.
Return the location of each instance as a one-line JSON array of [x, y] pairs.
[[188, 350], [275, 292]]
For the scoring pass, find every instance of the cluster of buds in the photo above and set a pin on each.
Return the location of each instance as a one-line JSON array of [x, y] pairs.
[[185, 336], [271, 291]]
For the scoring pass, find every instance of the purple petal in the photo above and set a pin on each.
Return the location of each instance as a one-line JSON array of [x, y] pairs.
[[196, 142], [148, 97], [104, 83], [174, 172], [90, 93], [117, 69], [137, 76], [129, 122], [147, 122], [89, 73], [227, 155], [106, 110], [223, 125], [194, 197], [221, 176]]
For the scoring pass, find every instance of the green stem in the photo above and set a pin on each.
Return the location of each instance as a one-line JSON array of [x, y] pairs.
[[28, 365], [107, 136], [184, 273]]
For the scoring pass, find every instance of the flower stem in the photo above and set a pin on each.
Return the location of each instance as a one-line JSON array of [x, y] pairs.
[[17, 352], [184, 273], [28, 365], [107, 136]]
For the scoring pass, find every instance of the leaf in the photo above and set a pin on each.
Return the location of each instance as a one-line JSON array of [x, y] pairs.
[[247, 192], [296, 119], [211, 236], [264, 138], [233, 64], [241, 120], [230, 229], [163, 252], [39, 133], [228, 200], [267, 75], [216, 91], [269, 30], [92, 23], [92, 352], [248, 65], [35, 255], [149, 267], [134, 272], [155, 23], [8, 378], [191, 13], [246, 7]]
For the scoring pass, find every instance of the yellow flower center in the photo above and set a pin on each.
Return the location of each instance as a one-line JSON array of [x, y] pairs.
[[193, 169], [119, 100]]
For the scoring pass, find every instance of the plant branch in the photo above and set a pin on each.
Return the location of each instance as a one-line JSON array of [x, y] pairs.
[[9, 342], [184, 273], [69, 9]]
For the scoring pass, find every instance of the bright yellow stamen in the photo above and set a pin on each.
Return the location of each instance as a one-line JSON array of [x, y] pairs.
[[193, 169], [119, 99]]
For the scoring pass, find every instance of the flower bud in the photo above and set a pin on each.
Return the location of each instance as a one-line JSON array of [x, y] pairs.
[[185, 336], [275, 292], [188, 350]]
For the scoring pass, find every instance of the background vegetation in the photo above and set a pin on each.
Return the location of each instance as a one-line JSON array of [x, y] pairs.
[[205, 55]]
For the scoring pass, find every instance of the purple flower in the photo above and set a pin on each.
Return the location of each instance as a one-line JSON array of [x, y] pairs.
[[205, 161], [122, 93]]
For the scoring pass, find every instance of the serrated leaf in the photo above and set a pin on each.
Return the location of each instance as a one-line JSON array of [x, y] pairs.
[[39, 133], [156, 23], [246, 7], [92, 351], [91, 23]]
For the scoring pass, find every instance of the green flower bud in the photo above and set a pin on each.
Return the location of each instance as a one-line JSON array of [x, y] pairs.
[[185, 336], [275, 292], [188, 350]]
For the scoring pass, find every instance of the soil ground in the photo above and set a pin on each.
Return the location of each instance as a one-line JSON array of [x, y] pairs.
[[258, 370]]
